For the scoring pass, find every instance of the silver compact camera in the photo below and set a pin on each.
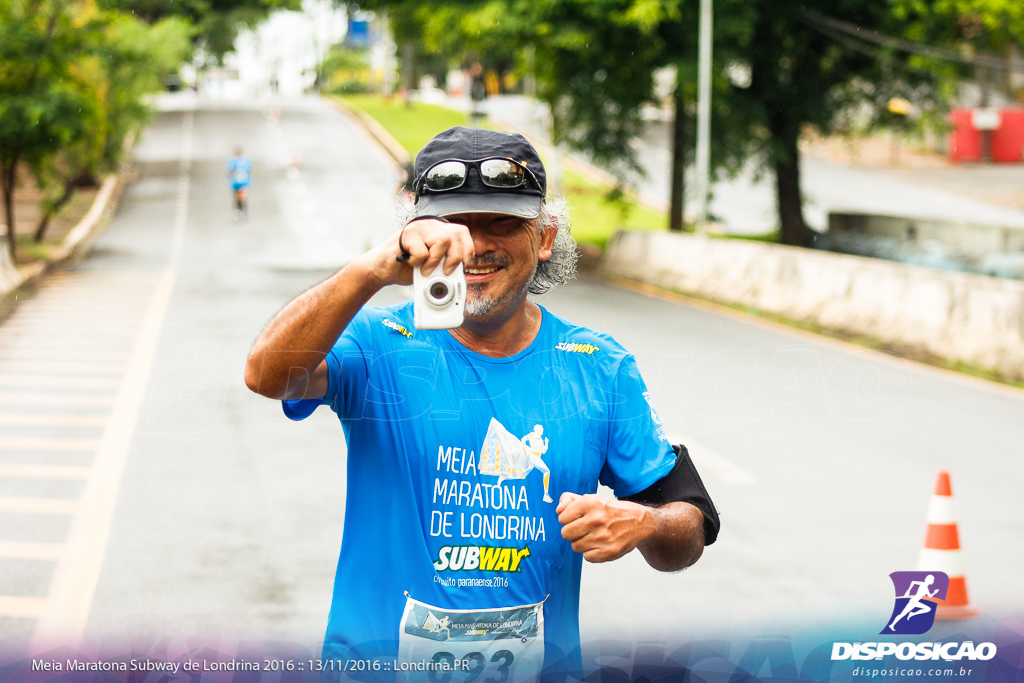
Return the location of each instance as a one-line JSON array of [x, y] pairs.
[[439, 300]]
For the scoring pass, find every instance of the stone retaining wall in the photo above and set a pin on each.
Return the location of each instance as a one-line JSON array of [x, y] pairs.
[[972, 318]]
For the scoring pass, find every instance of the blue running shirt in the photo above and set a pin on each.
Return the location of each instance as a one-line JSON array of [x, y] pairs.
[[239, 172], [456, 462]]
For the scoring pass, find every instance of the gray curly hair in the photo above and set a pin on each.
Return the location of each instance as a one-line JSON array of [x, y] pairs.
[[555, 212]]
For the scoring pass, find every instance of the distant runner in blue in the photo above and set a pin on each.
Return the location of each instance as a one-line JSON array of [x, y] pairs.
[[239, 168], [474, 453]]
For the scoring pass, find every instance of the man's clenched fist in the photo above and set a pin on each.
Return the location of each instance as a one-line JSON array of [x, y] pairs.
[[603, 529]]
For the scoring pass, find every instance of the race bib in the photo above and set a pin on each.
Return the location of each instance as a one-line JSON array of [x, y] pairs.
[[457, 646]]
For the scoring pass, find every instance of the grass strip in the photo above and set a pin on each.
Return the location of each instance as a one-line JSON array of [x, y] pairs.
[[596, 216]]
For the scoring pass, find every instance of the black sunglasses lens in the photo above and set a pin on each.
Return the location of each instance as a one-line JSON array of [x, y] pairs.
[[447, 175], [501, 173]]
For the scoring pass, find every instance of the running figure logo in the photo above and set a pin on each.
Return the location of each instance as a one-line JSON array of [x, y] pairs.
[[438, 626], [916, 595], [506, 457]]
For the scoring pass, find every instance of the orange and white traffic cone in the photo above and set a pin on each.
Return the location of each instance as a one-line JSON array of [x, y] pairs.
[[941, 552]]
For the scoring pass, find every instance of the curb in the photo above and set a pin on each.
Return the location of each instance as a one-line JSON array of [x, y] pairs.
[[78, 241]]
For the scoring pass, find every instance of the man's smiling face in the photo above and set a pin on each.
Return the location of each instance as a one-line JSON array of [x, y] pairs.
[[508, 249]]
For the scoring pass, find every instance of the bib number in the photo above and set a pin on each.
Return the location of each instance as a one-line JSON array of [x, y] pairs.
[[501, 645]]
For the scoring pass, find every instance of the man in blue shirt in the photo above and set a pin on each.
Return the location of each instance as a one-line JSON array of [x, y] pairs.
[[475, 453]]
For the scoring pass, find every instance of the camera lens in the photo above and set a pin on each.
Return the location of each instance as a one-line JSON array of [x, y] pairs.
[[439, 291]]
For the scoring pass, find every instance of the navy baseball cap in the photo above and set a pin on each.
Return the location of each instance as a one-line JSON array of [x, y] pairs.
[[473, 196]]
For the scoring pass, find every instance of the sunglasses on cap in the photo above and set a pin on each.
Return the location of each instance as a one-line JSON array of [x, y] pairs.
[[498, 172]]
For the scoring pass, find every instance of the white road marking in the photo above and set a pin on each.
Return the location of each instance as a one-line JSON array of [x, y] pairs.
[[46, 443], [57, 382], [47, 342], [710, 461], [58, 366], [43, 471], [111, 332], [65, 320], [24, 550], [38, 506], [51, 420], [21, 607], [49, 338], [74, 583], [51, 400], [65, 355]]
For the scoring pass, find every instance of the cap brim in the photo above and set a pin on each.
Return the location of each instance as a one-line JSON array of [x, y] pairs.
[[450, 203]]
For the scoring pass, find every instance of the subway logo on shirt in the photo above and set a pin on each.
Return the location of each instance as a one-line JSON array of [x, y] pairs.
[[483, 558]]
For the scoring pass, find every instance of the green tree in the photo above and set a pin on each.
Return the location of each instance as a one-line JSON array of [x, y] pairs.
[[77, 162], [137, 57], [72, 83], [594, 61], [802, 77], [433, 36], [797, 76], [42, 94], [216, 23], [129, 60], [345, 70], [966, 40]]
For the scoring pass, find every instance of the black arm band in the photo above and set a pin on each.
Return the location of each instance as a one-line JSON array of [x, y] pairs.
[[683, 485], [404, 256]]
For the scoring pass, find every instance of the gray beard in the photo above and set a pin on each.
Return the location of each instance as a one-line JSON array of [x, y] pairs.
[[478, 306]]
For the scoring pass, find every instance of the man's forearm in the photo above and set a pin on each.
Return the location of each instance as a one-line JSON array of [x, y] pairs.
[[298, 338], [676, 539]]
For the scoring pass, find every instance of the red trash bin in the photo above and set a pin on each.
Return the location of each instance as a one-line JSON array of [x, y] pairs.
[[1007, 139]]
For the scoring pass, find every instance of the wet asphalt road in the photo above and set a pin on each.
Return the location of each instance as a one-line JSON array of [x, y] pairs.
[[187, 505]]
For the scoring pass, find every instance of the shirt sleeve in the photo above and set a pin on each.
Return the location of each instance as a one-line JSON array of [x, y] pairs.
[[638, 452], [347, 372]]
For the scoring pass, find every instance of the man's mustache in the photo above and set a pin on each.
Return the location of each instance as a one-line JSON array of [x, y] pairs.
[[484, 261]]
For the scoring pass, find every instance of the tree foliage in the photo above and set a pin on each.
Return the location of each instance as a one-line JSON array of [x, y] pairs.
[[346, 70], [215, 23], [137, 57], [129, 60], [594, 61], [44, 86], [797, 77], [986, 30], [72, 79]]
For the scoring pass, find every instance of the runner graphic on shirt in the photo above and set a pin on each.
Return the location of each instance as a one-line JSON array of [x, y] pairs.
[[506, 457], [536, 445]]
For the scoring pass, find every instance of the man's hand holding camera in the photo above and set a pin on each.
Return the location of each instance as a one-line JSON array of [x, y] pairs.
[[287, 361], [426, 241]]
